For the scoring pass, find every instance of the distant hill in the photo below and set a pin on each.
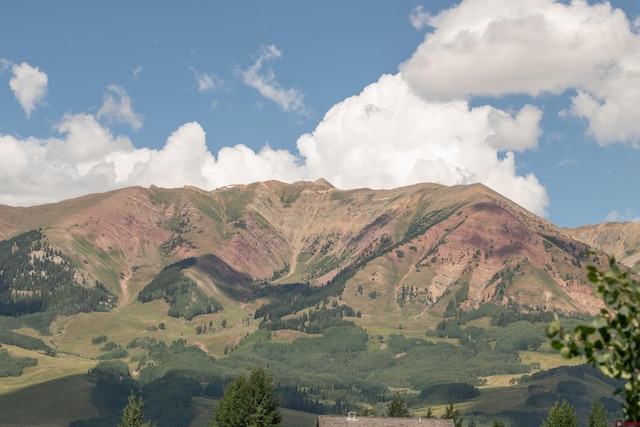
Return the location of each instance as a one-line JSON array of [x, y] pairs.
[[621, 240]]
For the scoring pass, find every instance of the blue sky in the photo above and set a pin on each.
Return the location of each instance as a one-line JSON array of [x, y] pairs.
[[537, 100]]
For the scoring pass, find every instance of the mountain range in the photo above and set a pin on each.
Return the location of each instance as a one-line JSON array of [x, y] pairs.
[[403, 260], [427, 236]]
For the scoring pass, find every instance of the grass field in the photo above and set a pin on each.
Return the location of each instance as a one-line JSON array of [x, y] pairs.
[[74, 333], [56, 391], [546, 359], [47, 404], [52, 393], [48, 369]]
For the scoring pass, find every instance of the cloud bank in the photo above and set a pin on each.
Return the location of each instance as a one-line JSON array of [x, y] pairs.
[[387, 136], [382, 138]]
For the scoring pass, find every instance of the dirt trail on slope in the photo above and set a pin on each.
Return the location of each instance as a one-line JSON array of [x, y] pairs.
[[126, 294], [399, 286], [298, 237]]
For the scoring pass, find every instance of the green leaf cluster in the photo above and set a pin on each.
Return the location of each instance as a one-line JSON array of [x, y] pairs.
[[611, 342]]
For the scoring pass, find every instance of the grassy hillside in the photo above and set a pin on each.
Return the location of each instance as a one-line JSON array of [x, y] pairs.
[[50, 403]]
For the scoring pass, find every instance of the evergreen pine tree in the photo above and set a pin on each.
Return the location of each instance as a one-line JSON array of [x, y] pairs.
[[451, 413], [397, 408], [598, 415], [249, 402], [132, 413], [561, 416]]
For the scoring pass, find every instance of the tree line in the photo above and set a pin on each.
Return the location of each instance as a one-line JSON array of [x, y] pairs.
[[36, 278], [182, 294]]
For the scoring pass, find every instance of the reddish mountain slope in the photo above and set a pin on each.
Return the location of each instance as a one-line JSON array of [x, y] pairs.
[[428, 237]]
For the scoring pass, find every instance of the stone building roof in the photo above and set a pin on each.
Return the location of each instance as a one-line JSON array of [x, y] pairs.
[[354, 421]]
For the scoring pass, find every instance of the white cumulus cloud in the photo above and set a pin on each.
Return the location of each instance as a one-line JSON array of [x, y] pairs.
[[29, 85], [497, 47], [185, 154], [387, 136], [610, 104], [46, 170], [517, 133], [502, 47], [88, 158]]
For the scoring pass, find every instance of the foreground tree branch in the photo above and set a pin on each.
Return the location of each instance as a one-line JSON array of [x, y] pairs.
[[611, 342]]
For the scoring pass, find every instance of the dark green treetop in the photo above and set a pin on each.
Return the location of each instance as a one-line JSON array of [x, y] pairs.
[[249, 402], [561, 416], [452, 413], [398, 408], [132, 413], [598, 415]]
